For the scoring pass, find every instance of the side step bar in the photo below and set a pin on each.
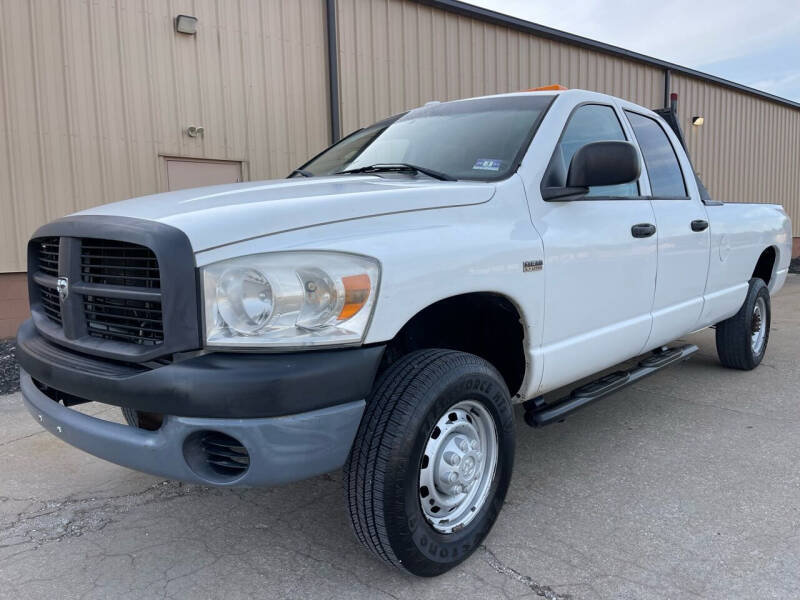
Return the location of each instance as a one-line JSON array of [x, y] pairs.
[[539, 414]]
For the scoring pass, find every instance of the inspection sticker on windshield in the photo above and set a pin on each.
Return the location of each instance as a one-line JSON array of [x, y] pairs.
[[487, 164]]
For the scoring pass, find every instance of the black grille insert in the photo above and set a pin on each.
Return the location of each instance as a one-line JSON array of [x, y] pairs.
[[122, 264], [224, 454], [125, 320], [110, 262], [48, 256], [50, 303], [129, 291], [48, 264], [108, 313], [216, 456]]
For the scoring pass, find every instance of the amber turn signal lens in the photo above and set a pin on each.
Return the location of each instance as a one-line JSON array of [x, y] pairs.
[[547, 88], [356, 293]]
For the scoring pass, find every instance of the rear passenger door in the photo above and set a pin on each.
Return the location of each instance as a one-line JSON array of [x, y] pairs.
[[682, 232]]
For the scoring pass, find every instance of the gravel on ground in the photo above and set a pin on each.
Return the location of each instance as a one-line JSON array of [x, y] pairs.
[[9, 370]]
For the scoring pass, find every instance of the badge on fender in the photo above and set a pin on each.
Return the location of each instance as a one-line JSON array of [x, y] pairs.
[[532, 265]]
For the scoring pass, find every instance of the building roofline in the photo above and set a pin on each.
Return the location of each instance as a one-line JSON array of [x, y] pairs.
[[490, 16]]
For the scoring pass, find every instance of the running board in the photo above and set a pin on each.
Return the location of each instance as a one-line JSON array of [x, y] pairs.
[[539, 414]]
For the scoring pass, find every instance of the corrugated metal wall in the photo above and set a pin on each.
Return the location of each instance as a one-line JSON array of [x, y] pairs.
[[398, 54], [93, 92], [748, 148]]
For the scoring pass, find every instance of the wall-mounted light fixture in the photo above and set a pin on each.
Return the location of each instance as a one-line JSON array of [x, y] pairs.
[[195, 131], [186, 24], [697, 121]]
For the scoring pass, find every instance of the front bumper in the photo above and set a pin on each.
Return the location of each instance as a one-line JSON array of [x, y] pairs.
[[281, 449], [216, 385], [295, 415]]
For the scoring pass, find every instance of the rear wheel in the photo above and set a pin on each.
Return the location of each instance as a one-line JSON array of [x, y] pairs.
[[742, 339], [432, 460]]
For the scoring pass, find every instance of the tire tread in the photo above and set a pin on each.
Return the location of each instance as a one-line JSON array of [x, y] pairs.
[[733, 347], [390, 404]]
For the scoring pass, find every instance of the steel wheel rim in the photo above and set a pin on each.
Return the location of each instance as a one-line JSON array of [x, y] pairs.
[[758, 326], [457, 466]]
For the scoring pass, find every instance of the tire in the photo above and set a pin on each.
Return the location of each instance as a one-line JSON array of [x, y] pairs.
[[463, 397], [131, 416], [142, 420], [742, 339]]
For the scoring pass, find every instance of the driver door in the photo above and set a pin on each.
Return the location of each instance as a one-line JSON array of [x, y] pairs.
[[599, 273]]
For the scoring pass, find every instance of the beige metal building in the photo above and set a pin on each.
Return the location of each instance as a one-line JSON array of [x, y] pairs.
[[102, 100]]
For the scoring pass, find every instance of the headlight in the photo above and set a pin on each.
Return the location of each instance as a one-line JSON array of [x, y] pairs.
[[286, 299]]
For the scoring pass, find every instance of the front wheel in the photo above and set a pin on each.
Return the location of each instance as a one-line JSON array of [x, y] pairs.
[[742, 339], [432, 460]]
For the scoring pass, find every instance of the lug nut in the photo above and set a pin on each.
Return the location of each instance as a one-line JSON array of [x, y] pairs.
[[452, 477], [463, 445], [452, 459], [474, 444]]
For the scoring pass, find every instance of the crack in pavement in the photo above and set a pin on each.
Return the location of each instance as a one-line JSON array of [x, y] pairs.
[[24, 437], [537, 588], [52, 521]]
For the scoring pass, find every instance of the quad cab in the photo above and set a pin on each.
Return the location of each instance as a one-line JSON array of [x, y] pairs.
[[383, 308]]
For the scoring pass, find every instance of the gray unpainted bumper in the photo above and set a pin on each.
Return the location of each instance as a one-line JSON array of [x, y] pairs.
[[282, 449]]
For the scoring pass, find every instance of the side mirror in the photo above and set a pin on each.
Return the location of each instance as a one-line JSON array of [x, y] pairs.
[[596, 164], [604, 163]]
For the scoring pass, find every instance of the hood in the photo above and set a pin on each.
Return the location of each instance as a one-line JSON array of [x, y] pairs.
[[225, 214]]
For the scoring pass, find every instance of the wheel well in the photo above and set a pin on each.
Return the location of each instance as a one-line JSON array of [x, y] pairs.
[[487, 325], [765, 264]]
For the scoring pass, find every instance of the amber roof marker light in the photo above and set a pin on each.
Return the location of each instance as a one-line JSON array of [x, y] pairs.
[[556, 87]]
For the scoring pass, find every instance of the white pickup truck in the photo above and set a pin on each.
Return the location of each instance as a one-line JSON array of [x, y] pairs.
[[384, 307]]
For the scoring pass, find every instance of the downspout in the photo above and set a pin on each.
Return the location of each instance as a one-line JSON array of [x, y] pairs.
[[333, 70], [666, 89]]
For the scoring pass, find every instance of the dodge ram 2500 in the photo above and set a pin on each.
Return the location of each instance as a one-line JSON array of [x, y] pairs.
[[383, 307]]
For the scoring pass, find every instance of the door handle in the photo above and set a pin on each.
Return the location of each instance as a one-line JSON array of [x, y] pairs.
[[699, 225], [643, 230]]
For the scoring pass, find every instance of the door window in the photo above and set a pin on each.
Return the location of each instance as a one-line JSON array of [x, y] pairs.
[[588, 123], [666, 178]]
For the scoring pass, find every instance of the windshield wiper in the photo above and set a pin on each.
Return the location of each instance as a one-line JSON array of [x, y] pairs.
[[302, 172], [398, 168]]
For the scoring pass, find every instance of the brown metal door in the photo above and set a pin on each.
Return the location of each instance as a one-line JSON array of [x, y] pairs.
[[188, 173]]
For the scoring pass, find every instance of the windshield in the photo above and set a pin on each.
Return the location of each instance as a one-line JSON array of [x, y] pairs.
[[482, 139]]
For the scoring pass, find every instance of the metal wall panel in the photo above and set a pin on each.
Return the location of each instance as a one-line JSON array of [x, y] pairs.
[[92, 93], [398, 54], [748, 148]]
